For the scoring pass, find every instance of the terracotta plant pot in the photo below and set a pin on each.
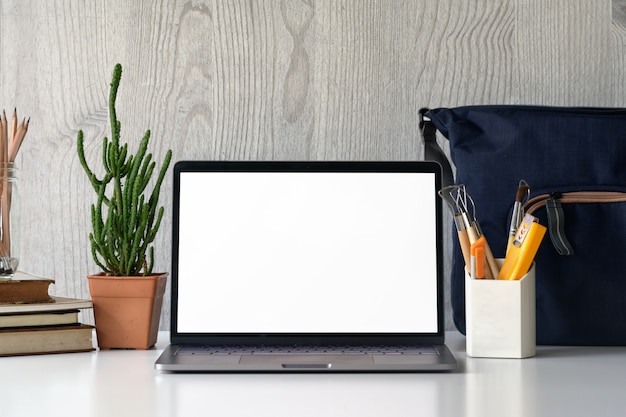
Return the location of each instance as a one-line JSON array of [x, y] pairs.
[[127, 310]]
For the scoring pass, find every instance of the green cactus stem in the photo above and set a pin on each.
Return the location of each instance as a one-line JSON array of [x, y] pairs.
[[126, 217]]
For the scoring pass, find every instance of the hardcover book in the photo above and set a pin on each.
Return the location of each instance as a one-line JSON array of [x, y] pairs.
[[46, 339], [24, 288]]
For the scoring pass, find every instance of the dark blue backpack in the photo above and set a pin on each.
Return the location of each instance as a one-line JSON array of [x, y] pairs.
[[574, 160]]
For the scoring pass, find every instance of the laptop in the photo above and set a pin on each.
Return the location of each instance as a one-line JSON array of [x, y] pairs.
[[306, 267]]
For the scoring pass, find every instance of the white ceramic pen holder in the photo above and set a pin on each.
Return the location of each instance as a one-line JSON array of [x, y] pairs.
[[500, 317]]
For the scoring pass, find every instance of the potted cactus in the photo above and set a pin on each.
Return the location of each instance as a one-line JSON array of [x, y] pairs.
[[127, 296]]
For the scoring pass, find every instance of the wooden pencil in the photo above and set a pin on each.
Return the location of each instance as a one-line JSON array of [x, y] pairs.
[[13, 124], [3, 138], [16, 141]]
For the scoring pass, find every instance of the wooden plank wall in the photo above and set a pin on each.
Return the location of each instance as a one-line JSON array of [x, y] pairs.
[[272, 79]]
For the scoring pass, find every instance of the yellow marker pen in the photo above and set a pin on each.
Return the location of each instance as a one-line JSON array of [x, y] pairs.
[[522, 253]]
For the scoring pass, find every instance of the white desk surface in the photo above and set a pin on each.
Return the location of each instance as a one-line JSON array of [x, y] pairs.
[[572, 381]]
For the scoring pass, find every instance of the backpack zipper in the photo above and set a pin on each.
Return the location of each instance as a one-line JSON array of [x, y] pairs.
[[575, 197], [556, 219]]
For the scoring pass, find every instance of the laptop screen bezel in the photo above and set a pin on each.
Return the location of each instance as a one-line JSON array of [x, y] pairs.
[[180, 167]]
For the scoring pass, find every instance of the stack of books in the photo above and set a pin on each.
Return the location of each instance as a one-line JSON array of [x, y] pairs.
[[33, 322]]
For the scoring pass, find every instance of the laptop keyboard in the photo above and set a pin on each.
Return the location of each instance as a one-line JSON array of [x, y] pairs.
[[306, 350]]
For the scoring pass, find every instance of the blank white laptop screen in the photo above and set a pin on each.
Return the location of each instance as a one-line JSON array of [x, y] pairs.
[[307, 252]]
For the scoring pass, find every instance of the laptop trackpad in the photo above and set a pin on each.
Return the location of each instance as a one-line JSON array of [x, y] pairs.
[[307, 361]]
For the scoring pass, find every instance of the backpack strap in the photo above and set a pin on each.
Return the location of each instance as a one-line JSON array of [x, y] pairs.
[[432, 150]]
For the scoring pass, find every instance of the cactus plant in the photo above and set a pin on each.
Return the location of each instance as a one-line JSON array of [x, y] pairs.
[[126, 218]]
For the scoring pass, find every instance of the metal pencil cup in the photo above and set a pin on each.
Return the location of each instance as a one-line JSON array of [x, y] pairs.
[[500, 317]]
